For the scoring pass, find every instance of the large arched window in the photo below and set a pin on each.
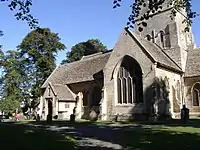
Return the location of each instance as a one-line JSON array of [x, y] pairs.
[[196, 94], [129, 82]]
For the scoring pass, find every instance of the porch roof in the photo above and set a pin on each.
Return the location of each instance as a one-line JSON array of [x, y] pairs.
[[63, 92], [193, 63]]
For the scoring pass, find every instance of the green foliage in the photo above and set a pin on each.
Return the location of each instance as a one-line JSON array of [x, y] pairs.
[[22, 11], [39, 49], [12, 76], [10, 82], [25, 70], [79, 50], [154, 6], [9, 105]]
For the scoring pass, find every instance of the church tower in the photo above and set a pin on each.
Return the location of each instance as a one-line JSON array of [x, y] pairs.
[[168, 33]]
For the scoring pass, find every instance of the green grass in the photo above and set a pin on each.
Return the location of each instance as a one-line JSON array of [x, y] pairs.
[[164, 136], [21, 137]]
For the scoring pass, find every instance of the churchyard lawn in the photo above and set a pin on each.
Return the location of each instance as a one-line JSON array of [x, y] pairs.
[[100, 135]]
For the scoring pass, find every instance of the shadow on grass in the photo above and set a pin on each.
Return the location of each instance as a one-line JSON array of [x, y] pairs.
[[174, 122], [21, 137], [101, 136], [139, 137]]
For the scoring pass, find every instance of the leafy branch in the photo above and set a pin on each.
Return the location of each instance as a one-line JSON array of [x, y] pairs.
[[22, 9], [155, 6]]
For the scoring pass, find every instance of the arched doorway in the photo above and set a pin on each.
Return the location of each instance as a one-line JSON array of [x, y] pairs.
[[129, 82], [196, 94]]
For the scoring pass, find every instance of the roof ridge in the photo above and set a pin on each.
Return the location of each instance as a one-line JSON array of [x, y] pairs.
[[82, 60], [57, 84], [91, 55], [50, 75]]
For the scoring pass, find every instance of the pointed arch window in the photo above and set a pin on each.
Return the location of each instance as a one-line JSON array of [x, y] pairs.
[[178, 91], [162, 34], [49, 91], [148, 37], [167, 37], [196, 94], [129, 82]]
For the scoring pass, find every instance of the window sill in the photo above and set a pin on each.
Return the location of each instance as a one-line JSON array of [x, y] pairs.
[[85, 106], [128, 105]]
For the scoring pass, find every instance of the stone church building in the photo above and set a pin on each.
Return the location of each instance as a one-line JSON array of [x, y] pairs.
[[149, 73]]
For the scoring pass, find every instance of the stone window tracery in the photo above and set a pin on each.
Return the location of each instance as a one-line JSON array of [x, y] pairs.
[[129, 82]]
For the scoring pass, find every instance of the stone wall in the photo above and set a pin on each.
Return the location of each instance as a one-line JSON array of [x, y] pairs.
[[179, 40], [189, 82], [126, 46], [65, 109], [174, 98], [83, 112]]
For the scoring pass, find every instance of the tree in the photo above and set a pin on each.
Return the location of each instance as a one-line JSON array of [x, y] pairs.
[[11, 82], [153, 7], [39, 49], [22, 11], [83, 49], [9, 106]]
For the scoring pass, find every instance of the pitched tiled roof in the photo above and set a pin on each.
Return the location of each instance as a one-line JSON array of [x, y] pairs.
[[63, 92], [193, 63], [79, 71], [156, 53]]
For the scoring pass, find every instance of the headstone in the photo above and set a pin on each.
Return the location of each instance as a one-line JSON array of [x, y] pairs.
[[49, 118], [184, 114], [93, 116], [72, 118]]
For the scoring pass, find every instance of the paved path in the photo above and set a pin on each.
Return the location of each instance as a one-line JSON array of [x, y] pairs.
[[105, 137]]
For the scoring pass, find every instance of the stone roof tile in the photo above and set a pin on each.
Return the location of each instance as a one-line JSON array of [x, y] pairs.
[[63, 92], [193, 63], [78, 71]]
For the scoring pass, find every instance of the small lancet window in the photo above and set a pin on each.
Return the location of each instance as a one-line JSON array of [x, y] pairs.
[[148, 37], [162, 34]]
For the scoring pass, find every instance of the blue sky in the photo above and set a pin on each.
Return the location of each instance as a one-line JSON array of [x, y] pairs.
[[75, 21]]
